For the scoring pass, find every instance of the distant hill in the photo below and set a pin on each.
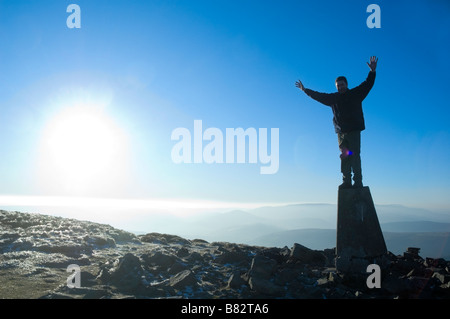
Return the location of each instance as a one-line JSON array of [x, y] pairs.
[[312, 238], [416, 226], [313, 225], [435, 245], [431, 244], [299, 215], [237, 234]]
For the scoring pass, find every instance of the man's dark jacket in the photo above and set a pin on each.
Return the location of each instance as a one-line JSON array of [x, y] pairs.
[[347, 106]]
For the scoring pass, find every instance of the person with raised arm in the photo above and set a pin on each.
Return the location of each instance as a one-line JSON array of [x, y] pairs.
[[348, 120]]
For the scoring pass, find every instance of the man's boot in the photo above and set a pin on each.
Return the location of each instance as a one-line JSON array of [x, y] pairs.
[[347, 183], [358, 184]]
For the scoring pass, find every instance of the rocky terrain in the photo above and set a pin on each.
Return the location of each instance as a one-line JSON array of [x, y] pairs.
[[36, 251]]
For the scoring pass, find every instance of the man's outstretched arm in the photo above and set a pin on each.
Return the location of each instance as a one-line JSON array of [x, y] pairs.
[[324, 98]]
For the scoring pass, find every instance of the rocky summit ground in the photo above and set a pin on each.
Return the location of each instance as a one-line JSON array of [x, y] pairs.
[[37, 250]]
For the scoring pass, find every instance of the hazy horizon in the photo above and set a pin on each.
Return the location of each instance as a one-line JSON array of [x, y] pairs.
[[128, 214], [310, 224]]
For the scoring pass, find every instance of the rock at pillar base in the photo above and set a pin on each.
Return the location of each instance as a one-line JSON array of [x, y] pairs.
[[360, 241]]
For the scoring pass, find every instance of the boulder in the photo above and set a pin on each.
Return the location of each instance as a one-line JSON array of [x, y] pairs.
[[442, 277], [287, 275], [305, 255], [262, 267], [98, 241], [183, 279], [435, 262], [265, 287], [157, 238], [182, 252], [158, 258], [126, 273], [231, 257], [176, 267], [236, 281]]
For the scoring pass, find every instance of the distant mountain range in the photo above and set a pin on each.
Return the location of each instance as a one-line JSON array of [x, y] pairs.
[[431, 244], [416, 226], [313, 225]]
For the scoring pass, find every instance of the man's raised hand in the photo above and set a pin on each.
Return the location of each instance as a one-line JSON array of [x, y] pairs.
[[373, 63], [299, 84]]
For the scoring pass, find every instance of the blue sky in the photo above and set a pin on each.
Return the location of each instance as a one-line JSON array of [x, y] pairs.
[[140, 69]]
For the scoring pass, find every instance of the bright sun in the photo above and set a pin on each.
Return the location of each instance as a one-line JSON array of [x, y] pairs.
[[83, 150]]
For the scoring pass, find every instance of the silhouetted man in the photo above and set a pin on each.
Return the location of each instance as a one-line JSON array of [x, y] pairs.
[[348, 120]]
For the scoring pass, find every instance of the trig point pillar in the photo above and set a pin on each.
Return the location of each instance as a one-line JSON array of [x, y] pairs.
[[360, 241]]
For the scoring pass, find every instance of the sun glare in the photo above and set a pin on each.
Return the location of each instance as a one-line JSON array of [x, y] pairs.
[[82, 149]]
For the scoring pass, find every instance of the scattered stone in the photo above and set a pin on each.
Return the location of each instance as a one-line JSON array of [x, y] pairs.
[[262, 267], [308, 256], [411, 253], [435, 262], [442, 277], [183, 279], [230, 257], [265, 287], [236, 281], [177, 267], [163, 239], [160, 259], [183, 252], [126, 273], [413, 250]]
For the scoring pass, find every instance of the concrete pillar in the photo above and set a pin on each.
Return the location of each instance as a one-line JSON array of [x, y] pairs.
[[359, 241]]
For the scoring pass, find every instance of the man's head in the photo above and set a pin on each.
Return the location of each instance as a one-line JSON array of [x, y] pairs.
[[341, 84]]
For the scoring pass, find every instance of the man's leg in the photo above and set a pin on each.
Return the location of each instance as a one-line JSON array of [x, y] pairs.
[[346, 168]]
